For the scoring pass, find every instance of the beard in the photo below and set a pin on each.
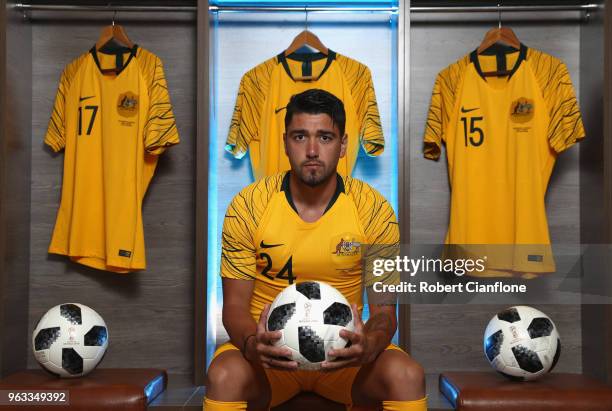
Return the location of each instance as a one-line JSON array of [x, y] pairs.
[[315, 177]]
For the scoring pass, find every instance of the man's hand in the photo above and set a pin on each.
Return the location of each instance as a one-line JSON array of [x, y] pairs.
[[362, 349], [260, 347]]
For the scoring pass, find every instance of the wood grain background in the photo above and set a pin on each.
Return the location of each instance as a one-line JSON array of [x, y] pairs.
[[149, 314], [595, 182], [15, 120], [449, 337]]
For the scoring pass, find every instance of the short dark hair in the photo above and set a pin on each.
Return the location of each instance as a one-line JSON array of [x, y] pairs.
[[317, 101]]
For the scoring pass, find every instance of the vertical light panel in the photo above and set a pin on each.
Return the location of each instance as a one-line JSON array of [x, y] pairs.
[[242, 40], [213, 301]]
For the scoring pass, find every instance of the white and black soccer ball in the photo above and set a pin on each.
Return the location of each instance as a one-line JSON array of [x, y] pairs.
[[310, 316], [70, 340], [522, 343]]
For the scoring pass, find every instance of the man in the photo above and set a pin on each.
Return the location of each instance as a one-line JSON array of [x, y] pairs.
[[285, 229]]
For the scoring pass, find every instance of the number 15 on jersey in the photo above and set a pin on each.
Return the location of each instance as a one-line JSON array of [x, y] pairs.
[[472, 134]]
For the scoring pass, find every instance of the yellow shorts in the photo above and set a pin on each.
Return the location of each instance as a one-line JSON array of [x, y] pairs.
[[284, 385]]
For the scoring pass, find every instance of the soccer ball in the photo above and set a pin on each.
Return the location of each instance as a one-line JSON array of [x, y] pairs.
[[522, 343], [70, 340], [310, 316]]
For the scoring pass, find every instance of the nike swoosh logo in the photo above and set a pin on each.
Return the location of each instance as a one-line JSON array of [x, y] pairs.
[[463, 110], [85, 98], [278, 110], [263, 245]]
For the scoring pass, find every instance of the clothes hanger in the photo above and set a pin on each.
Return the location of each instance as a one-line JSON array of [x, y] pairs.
[[306, 38], [113, 38], [499, 36], [113, 32]]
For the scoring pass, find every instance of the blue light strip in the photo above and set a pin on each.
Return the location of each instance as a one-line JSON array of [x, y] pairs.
[[212, 274], [154, 388], [310, 3], [449, 391], [311, 9], [394, 143], [393, 19]]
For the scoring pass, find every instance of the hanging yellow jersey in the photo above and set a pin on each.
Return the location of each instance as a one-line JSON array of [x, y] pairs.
[[258, 122], [502, 137], [265, 240], [111, 127]]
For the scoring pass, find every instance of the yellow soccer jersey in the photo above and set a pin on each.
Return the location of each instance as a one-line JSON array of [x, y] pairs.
[[264, 239], [112, 128], [258, 122], [502, 136]]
